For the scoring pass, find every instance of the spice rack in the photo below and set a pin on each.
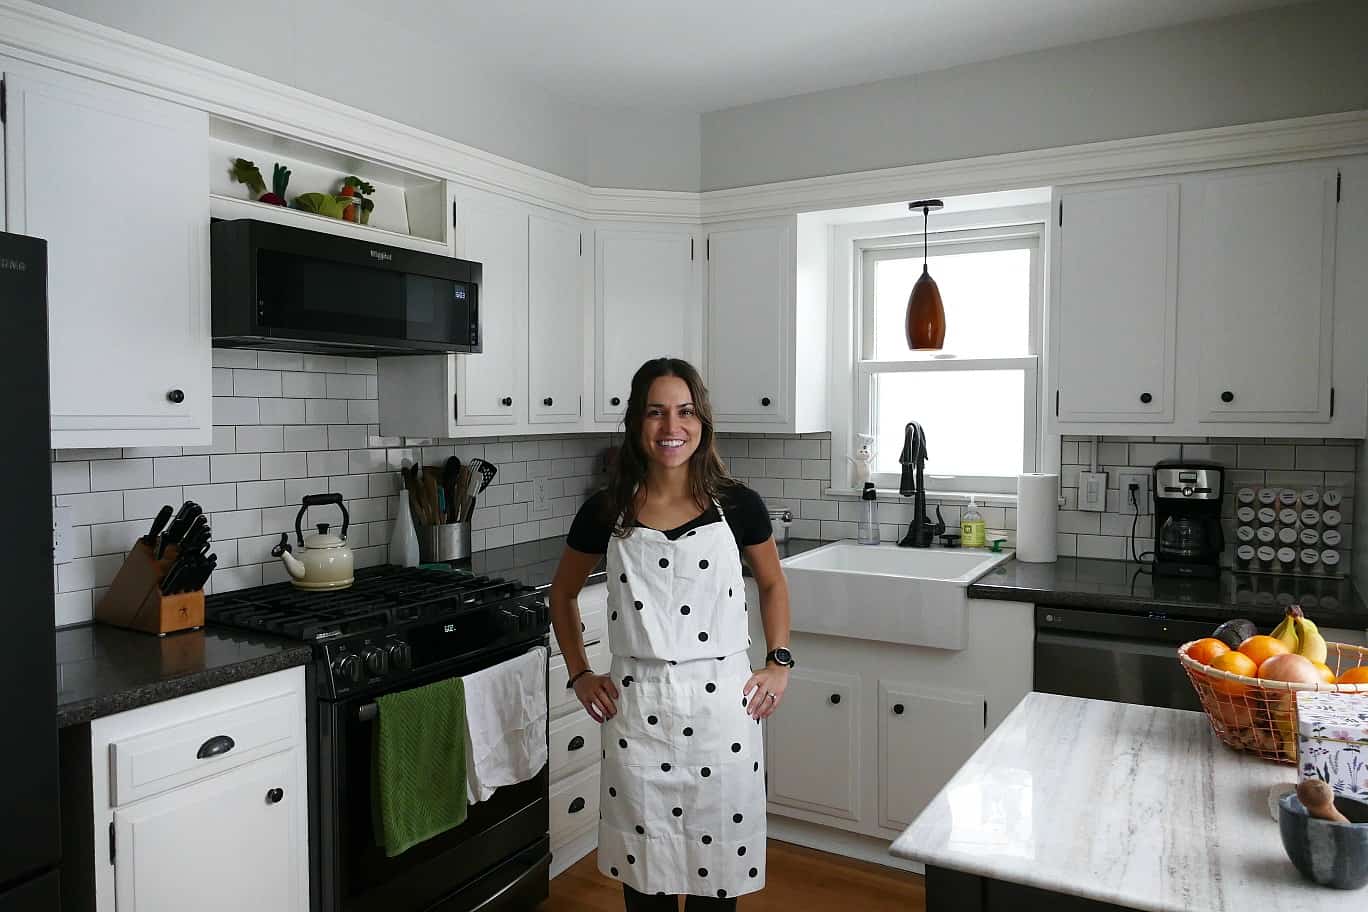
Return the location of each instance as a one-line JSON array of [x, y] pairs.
[[1290, 530]]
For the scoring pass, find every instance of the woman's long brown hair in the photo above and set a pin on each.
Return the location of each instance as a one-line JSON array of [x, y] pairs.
[[707, 475]]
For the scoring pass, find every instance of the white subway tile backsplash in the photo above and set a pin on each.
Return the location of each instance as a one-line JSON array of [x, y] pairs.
[[70, 477], [88, 509], [180, 470], [236, 467], [236, 410], [266, 438], [346, 386], [145, 503], [363, 462], [280, 361], [237, 523], [117, 474], [234, 357], [327, 462], [256, 383], [260, 494], [284, 465], [222, 378], [349, 486], [348, 437], [325, 411], [283, 411], [298, 385], [212, 498], [325, 363], [363, 411], [115, 538]]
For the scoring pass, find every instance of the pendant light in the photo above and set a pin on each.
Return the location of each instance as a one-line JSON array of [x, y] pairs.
[[925, 313]]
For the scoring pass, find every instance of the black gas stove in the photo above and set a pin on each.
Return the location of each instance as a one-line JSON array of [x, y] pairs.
[[393, 623]]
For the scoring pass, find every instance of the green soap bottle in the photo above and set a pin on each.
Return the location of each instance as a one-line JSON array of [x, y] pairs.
[[973, 530]]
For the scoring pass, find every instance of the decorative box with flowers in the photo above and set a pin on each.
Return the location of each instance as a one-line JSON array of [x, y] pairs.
[[1332, 740]]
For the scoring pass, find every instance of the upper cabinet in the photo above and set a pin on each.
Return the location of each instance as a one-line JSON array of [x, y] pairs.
[[645, 306], [114, 182], [1115, 314], [1264, 331], [555, 298]]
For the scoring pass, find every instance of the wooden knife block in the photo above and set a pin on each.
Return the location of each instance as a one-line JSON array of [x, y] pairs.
[[134, 601]]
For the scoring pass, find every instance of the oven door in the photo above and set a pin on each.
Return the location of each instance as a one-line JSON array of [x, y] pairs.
[[498, 841]]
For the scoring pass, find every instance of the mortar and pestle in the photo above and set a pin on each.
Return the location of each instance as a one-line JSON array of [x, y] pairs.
[[1325, 836]]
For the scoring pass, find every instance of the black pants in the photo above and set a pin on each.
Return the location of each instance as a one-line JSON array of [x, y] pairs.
[[640, 902]]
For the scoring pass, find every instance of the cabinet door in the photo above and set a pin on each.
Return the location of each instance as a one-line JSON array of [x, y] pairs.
[[646, 306], [1116, 303], [750, 321], [925, 735], [1260, 248], [554, 316], [114, 182], [822, 773], [231, 842], [491, 387]]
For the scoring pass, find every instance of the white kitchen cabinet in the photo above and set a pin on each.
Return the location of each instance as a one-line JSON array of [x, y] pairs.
[[114, 182], [1115, 314], [750, 321], [1261, 260], [173, 820], [813, 744], [554, 318], [925, 736], [646, 305], [232, 842]]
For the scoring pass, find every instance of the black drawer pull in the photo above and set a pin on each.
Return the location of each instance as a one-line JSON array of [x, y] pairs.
[[575, 743], [176, 396], [835, 699], [548, 402], [897, 709], [765, 401], [506, 401], [577, 805], [215, 747], [615, 401], [275, 796], [1227, 396], [1146, 398]]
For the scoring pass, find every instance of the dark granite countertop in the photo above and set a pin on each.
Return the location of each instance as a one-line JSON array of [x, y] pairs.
[[104, 670], [1126, 586]]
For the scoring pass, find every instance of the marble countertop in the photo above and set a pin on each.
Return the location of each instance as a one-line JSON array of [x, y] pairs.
[[1126, 586], [1119, 803], [103, 670]]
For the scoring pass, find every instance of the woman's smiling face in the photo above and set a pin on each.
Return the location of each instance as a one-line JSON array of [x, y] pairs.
[[670, 428]]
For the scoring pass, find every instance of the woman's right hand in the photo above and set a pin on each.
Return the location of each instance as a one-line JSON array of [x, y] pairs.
[[598, 695]]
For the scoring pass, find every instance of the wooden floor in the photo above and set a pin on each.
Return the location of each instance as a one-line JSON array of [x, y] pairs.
[[797, 880]]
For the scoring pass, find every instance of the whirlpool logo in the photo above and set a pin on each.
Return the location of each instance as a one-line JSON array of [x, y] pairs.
[[381, 255], [13, 265]]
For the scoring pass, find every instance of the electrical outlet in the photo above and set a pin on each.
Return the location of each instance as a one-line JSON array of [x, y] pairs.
[[540, 507], [1141, 480], [1092, 491], [61, 536]]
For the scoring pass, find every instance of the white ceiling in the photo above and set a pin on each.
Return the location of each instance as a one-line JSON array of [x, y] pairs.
[[705, 55]]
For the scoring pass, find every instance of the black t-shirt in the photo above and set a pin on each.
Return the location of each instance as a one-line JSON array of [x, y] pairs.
[[746, 514]]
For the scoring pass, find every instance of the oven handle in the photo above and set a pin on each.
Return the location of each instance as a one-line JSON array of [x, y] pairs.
[[368, 712]]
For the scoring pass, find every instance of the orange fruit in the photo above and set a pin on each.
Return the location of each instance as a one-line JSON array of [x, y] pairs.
[[1234, 663], [1206, 649], [1356, 675], [1260, 648]]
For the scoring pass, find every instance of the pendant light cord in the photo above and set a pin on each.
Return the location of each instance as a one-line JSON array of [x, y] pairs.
[[926, 217]]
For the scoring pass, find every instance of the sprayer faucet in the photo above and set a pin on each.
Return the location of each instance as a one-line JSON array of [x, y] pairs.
[[920, 532]]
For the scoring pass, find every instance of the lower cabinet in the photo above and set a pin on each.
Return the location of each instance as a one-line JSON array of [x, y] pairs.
[[813, 744], [925, 736]]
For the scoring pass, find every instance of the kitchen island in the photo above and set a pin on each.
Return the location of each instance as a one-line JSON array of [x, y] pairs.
[[1076, 804]]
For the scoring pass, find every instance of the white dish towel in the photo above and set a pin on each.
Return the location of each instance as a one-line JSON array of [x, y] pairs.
[[505, 723]]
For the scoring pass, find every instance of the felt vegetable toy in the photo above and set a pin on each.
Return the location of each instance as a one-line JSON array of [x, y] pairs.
[[245, 172], [280, 179], [353, 186], [323, 203]]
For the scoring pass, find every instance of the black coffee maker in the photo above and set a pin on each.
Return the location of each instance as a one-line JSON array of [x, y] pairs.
[[1188, 540]]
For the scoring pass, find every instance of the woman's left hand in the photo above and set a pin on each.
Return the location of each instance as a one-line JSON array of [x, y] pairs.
[[765, 690]]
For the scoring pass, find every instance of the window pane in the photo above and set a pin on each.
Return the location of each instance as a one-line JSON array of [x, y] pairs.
[[972, 419], [987, 297]]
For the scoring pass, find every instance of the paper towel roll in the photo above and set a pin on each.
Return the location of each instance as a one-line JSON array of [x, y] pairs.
[[1037, 515]]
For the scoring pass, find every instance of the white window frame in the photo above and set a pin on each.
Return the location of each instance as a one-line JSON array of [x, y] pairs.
[[864, 253]]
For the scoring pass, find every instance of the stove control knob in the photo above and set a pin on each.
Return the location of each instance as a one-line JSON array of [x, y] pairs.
[[348, 668], [398, 655], [375, 660]]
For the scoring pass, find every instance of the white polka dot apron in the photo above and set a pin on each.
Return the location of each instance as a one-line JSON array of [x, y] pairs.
[[683, 787]]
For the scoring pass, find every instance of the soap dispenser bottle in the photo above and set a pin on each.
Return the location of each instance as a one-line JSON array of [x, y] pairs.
[[973, 530], [867, 531]]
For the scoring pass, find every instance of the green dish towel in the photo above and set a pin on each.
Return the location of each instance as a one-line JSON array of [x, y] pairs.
[[419, 771]]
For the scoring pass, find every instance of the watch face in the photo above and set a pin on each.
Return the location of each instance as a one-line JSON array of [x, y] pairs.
[[783, 656]]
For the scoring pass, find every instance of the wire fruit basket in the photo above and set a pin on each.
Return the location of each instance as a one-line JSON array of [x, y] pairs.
[[1258, 714]]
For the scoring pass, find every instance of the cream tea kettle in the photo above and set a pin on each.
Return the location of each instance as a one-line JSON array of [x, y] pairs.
[[322, 560]]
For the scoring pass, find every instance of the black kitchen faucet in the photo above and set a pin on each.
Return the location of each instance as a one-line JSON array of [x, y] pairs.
[[921, 531]]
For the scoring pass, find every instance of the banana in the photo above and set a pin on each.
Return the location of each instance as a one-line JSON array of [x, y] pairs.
[[1287, 632], [1311, 644]]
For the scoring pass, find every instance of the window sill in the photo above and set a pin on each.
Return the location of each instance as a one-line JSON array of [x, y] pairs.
[[943, 497]]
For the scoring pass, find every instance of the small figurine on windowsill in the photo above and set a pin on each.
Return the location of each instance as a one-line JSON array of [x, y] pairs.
[[863, 459]]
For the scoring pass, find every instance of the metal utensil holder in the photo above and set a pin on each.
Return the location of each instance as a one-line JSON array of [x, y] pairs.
[[445, 542]]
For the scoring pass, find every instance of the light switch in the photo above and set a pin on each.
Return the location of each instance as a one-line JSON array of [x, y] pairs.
[[1092, 491]]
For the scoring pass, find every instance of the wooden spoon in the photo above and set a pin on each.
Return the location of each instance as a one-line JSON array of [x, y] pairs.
[[1318, 798]]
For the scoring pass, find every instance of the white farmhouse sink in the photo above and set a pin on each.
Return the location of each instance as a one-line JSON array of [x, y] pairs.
[[915, 596]]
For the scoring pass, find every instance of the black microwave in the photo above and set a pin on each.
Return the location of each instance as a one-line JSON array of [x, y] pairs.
[[288, 289]]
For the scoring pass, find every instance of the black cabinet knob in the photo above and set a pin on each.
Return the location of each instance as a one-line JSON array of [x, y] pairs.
[[1146, 398], [575, 743], [547, 402], [615, 401], [275, 795], [576, 806], [835, 699], [506, 400], [765, 401], [176, 396], [1227, 396], [897, 709]]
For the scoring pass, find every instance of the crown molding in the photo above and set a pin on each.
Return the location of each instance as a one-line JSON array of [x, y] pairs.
[[1320, 136]]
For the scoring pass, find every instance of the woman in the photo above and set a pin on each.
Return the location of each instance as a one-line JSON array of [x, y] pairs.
[[682, 781]]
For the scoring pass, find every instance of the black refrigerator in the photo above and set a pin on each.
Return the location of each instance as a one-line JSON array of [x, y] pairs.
[[30, 846]]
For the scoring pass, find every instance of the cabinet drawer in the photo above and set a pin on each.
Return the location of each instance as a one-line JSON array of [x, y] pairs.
[[559, 697], [149, 764], [574, 806], [576, 742], [593, 607]]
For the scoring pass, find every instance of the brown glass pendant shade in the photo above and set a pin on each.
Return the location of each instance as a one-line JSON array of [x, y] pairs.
[[925, 312]]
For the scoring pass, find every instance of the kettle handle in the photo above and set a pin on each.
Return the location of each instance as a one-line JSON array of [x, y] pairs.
[[320, 500]]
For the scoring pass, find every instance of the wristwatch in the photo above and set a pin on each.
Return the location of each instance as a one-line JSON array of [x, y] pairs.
[[780, 656]]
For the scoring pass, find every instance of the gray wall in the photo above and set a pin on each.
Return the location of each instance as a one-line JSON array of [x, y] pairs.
[[341, 49], [1287, 62]]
